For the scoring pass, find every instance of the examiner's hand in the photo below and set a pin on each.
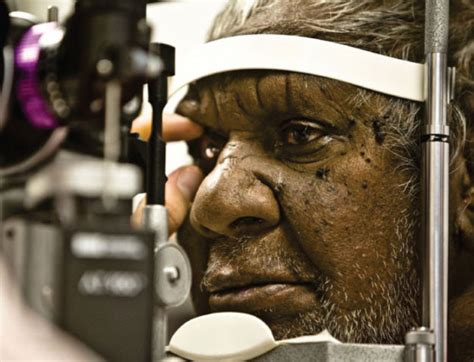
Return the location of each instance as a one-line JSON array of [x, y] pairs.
[[175, 127], [182, 183], [25, 336]]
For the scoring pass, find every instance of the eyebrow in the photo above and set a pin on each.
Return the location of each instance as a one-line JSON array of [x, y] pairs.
[[327, 88]]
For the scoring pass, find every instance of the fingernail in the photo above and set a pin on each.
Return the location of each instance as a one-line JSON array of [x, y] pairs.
[[174, 117], [189, 180]]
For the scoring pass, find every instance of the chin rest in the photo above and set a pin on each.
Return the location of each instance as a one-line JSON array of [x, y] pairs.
[[231, 336]]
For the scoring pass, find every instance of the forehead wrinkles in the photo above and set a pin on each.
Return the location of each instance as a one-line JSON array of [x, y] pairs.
[[241, 100], [245, 100], [323, 96], [208, 114], [225, 102], [245, 88], [273, 91]]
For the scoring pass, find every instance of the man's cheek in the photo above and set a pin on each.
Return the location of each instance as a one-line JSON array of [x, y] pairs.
[[340, 217], [320, 214]]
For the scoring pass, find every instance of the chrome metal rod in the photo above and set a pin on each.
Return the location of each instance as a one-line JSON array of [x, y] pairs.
[[160, 333], [435, 179], [155, 218], [436, 183], [113, 95]]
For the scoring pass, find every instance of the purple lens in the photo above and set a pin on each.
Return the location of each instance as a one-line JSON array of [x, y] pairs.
[[27, 54]]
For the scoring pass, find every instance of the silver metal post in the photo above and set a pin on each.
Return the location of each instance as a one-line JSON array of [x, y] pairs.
[[172, 275], [113, 94], [172, 267], [155, 217], [436, 218], [435, 180]]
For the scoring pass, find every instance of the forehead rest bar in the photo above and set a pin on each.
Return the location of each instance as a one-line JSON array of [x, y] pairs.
[[380, 73]]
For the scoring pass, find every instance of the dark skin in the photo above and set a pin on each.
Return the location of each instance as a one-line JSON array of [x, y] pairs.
[[301, 219]]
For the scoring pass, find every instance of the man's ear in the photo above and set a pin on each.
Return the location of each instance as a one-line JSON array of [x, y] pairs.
[[466, 221], [466, 215]]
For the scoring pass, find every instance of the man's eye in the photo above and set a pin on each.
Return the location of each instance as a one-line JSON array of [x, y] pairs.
[[206, 149], [210, 150], [300, 133], [303, 140], [211, 145]]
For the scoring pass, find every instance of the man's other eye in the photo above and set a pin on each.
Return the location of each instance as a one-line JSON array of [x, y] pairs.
[[206, 149], [303, 140], [210, 150], [300, 132]]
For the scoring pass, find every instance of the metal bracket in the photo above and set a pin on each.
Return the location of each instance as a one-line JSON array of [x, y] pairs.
[[173, 275]]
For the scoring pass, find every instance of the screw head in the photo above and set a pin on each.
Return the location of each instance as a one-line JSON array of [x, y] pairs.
[[172, 273], [105, 67]]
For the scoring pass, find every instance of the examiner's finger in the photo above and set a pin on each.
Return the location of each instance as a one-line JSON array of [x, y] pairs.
[[179, 128], [179, 192], [175, 127], [180, 189]]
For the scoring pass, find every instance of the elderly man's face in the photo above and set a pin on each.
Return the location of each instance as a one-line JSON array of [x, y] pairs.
[[301, 219]]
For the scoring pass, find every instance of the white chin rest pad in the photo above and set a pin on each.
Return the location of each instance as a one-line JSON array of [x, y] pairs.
[[222, 336]]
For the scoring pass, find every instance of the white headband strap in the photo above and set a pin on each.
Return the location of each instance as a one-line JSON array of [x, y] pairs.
[[395, 77]]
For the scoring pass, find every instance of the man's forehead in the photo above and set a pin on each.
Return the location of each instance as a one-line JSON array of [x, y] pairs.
[[270, 78]]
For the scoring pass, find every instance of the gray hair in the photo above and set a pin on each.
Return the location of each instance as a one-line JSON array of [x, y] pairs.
[[393, 28]]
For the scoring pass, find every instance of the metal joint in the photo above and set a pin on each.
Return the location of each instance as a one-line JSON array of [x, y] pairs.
[[436, 129], [420, 343], [435, 138], [155, 218]]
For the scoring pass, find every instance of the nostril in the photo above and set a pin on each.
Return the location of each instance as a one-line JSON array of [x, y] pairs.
[[208, 233], [248, 221]]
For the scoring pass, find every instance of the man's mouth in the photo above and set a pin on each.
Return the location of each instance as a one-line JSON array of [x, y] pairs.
[[271, 299], [271, 285]]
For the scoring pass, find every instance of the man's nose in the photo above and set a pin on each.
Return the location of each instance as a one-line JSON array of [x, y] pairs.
[[232, 201]]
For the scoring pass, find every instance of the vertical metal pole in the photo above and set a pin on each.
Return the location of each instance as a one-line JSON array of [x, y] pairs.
[[113, 96], [155, 176], [435, 177], [419, 345], [155, 214]]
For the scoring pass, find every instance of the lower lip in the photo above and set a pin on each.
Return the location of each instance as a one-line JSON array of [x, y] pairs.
[[275, 299]]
